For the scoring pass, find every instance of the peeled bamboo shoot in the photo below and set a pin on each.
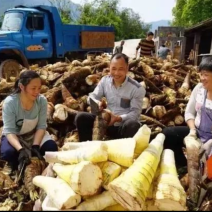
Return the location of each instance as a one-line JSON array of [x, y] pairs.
[[73, 145], [97, 203], [84, 178], [58, 191], [150, 206], [116, 207], [110, 171], [169, 193], [94, 153], [130, 189], [120, 151], [142, 139]]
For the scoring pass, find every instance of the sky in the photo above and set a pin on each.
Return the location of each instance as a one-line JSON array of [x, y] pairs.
[[149, 10]]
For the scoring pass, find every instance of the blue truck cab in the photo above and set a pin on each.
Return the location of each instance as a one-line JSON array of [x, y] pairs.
[[30, 34]]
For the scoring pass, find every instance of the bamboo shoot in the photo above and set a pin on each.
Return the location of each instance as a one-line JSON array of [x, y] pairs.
[[169, 193], [110, 171], [84, 178], [94, 153], [130, 189], [97, 203], [58, 191], [142, 139]]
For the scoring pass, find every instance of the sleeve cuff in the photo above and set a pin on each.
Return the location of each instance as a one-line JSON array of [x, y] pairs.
[[189, 116], [124, 117], [9, 131], [41, 128]]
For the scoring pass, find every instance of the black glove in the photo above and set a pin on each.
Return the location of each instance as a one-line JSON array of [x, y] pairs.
[[23, 158], [35, 151]]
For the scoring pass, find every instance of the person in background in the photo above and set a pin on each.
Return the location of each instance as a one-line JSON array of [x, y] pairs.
[[24, 122], [198, 116], [146, 46], [190, 59], [124, 99], [163, 51], [119, 49]]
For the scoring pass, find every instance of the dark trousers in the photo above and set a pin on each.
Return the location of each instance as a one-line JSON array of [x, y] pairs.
[[84, 123], [10, 154], [174, 141]]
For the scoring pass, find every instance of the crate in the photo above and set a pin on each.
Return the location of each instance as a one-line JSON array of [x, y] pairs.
[[95, 40]]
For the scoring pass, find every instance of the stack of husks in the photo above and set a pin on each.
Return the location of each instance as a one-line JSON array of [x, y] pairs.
[[66, 85], [93, 175]]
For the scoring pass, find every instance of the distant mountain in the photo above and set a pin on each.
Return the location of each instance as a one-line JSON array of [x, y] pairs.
[[156, 24], [7, 4]]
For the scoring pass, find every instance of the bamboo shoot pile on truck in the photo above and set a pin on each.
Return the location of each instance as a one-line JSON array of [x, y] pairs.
[[66, 86]]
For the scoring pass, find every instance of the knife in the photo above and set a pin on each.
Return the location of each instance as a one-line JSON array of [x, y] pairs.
[[20, 173], [94, 107]]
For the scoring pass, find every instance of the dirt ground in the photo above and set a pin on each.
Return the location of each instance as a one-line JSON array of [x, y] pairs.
[[129, 47]]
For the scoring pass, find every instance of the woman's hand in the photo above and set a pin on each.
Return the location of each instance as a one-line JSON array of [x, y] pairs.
[[193, 133], [35, 152], [192, 136], [23, 158], [208, 148]]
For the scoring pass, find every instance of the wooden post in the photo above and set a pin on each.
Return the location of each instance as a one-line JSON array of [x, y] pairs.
[[183, 45], [211, 47], [196, 47]]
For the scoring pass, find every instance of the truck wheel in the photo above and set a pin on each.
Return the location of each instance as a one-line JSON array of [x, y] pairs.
[[9, 70]]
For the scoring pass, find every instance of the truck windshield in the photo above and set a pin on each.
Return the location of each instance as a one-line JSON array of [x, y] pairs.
[[12, 21]]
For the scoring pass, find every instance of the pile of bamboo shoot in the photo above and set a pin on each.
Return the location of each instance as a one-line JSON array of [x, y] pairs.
[[66, 86], [110, 179]]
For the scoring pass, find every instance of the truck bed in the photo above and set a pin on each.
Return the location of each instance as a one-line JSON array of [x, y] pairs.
[[88, 38]]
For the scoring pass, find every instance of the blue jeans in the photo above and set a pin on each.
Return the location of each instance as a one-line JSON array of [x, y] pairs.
[[10, 154]]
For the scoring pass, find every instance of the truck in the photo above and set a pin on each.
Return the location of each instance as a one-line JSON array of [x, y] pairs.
[[31, 34]]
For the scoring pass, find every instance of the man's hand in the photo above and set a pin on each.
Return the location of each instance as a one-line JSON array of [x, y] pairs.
[[114, 119], [23, 158], [35, 151], [101, 106]]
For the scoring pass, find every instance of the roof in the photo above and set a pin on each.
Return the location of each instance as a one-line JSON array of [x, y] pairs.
[[24, 9], [36, 8], [200, 26]]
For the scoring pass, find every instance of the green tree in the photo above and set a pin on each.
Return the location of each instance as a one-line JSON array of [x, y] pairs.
[[126, 22], [190, 12], [177, 12], [64, 9], [207, 9], [101, 13], [131, 25], [193, 11]]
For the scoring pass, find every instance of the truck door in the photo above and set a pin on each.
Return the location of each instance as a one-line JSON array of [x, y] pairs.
[[37, 36]]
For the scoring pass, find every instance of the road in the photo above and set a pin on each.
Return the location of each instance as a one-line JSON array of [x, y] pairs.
[[129, 47]]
